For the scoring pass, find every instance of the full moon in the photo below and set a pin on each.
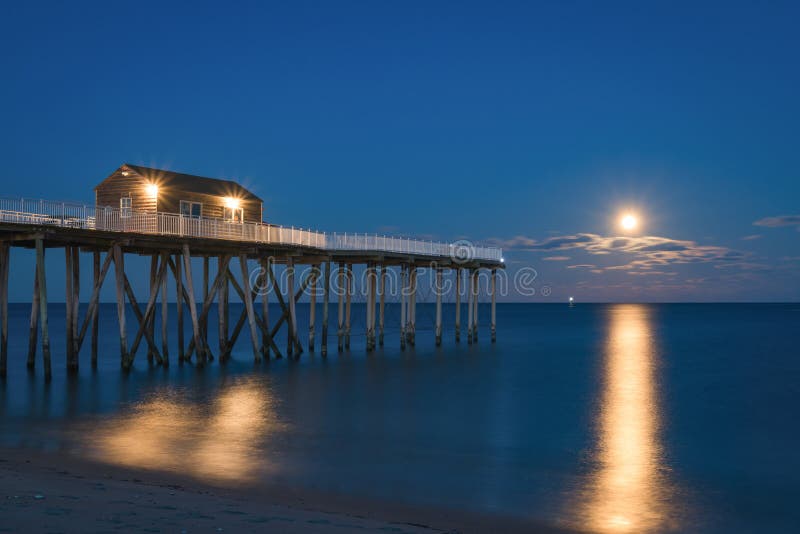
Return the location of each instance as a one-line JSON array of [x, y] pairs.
[[628, 222]]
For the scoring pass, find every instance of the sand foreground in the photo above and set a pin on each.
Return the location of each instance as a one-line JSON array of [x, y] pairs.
[[44, 492]]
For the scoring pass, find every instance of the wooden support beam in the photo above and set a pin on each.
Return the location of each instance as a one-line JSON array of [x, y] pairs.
[[248, 301], [209, 299], [119, 275], [144, 319], [325, 298], [5, 258], [164, 311], [341, 290], [33, 331], [94, 312], [42, 283], [187, 265], [458, 304], [348, 297], [286, 311], [243, 317], [494, 305], [312, 307], [382, 306], [439, 288]]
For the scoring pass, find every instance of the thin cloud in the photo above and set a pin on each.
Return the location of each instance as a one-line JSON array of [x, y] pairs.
[[751, 237], [582, 266], [778, 221], [649, 252], [557, 258]]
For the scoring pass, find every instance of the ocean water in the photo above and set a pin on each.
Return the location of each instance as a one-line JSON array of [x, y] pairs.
[[613, 418]]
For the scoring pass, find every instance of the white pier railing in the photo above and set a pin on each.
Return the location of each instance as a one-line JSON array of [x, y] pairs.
[[69, 215]]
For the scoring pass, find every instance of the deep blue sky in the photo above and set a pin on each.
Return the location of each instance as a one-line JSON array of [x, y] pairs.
[[513, 122]]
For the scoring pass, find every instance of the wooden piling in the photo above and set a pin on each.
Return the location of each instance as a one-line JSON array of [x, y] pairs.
[[203, 327], [340, 290], [119, 275], [95, 311], [348, 297], [403, 298], [476, 288], [222, 312], [205, 277], [382, 306], [412, 307], [69, 295], [164, 312], [179, 304], [248, 302], [494, 305], [370, 309], [33, 330], [438, 288], [458, 305], [312, 307], [325, 298], [266, 340], [151, 321], [5, 258], [42, 279], [292, 326], [470, 306], [72, 366], [198, 342]]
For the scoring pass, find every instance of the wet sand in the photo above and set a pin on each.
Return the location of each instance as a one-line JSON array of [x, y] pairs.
[[53, 492]]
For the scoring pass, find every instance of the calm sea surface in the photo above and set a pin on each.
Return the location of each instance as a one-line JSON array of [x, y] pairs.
[[619, 418]]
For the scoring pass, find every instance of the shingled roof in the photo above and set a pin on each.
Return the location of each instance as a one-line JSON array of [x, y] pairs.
[[189, 182]]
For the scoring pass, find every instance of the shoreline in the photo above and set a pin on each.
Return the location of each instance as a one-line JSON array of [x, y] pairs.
[[58, 492]]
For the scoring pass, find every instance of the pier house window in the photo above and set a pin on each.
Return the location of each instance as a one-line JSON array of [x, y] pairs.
[[234, 214], [191, 209], [125, 206]]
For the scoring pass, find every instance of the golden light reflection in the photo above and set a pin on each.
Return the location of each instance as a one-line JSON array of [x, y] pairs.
[[628, 492], [220, 442]]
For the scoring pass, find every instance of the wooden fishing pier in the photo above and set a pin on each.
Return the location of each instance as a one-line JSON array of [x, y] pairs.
[[244, 255]]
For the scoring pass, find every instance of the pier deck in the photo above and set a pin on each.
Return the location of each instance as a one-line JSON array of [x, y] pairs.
[[171, 241]]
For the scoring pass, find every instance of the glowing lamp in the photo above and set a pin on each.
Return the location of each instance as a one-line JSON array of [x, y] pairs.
[[152, 190], [231, 202]]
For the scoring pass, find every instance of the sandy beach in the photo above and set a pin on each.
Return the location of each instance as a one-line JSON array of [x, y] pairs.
[[53, 492]]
